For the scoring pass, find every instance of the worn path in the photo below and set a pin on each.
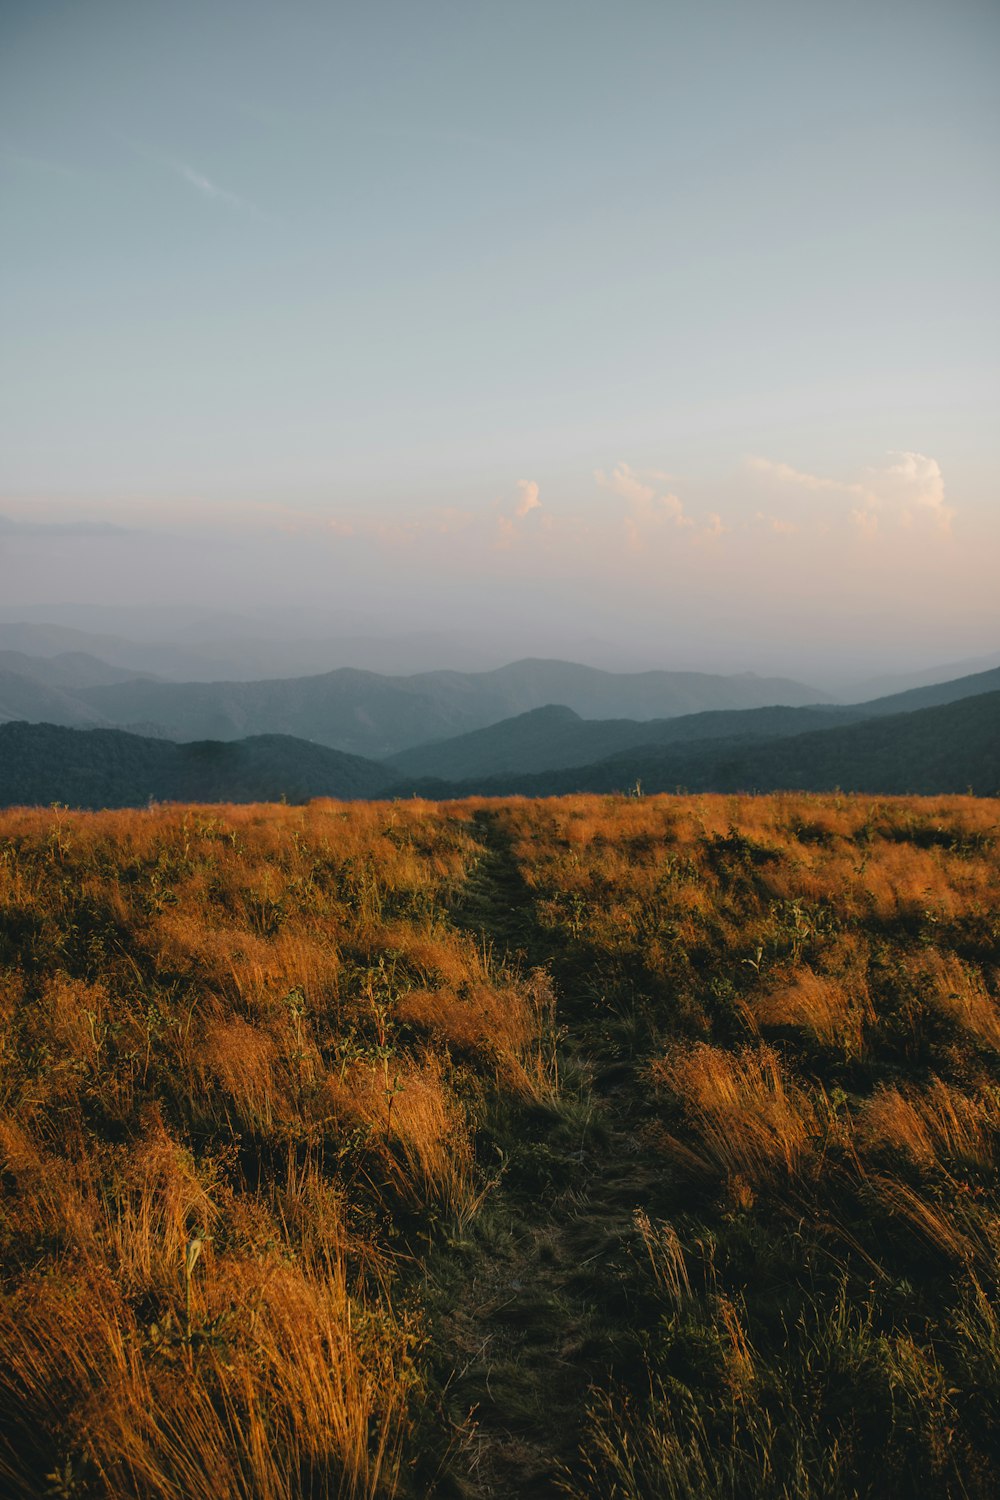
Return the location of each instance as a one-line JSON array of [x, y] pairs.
[[534, 1307]]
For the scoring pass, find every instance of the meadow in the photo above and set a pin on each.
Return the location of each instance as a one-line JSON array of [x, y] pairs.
[[603, 1146]]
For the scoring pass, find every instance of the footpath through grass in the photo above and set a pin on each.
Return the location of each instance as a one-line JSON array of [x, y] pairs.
[[533, 1303]]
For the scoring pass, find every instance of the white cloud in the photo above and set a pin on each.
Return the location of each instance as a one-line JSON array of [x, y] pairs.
[[785, 474], [866, 521], [714, 526], [652, 510], [915, 485], [907, 489], [624, 481], [206, 188], [529, 501]]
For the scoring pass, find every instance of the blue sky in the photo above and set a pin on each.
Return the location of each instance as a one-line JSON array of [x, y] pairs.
[[688, 310]]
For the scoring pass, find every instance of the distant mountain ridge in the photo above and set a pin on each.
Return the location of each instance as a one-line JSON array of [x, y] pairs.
[[70, 670], [375, 715], [935, 694], [554, 737], [26, 698], [951, 747], [889, 683]]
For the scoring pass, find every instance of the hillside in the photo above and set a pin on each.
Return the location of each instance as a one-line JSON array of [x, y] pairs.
[[955, 747], [45, 763], [555, 737], [597, 1147], [594, 693], [23, 697], [901, 682], [406, 718], [179, 660], [936, 694]]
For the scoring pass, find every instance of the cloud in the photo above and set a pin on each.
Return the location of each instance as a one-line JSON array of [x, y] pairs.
[[777, 524], [624, 481], [650, 509], [714, 526], [908, 488], [865, 521], [211, 190], [785, 474], [529, 501], [915, 485], [506, 528]]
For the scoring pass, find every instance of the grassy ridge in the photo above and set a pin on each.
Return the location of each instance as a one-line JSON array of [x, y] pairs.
[[345, 1145]]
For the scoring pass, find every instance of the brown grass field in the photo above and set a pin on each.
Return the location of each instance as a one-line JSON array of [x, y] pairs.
[[603, 1146]]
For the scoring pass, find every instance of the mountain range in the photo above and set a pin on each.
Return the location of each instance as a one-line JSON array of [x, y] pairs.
[[555, 737], [954, 747], [940, 739], [364, 713]]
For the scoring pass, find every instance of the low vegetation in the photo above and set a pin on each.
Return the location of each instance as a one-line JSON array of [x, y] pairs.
[[605, 1147]]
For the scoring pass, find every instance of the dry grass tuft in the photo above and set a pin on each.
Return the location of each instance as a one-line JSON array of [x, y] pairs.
[[834, 1010], [415, 1127], [948, 985], [510, 1026], [750, 1122], [278, 1395], [937, 1127]]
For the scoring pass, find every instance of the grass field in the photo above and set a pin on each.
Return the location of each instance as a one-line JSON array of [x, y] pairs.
[[603, 1147]]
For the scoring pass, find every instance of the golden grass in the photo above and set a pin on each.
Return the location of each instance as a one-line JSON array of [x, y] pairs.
[[751, 1124], [510, 1026], [937, 1126], [666, 1258], [946, 984], [284, 1389], [267, 1371], [261, 1031], [834, 1009], [416, 1130]]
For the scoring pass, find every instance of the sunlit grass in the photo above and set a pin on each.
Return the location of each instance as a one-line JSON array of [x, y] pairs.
[[259, 1066]]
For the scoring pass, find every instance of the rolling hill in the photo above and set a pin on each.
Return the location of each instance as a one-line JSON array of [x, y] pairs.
[[554, 738], [432, 723], [68, 670], [934, 695], [947, 748], [952, 747], [44, 763]]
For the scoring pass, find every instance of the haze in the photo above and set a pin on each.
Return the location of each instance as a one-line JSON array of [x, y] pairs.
[[654, 334]]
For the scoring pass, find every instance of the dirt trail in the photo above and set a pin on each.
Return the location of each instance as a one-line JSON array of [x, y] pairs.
[[535, 1310]]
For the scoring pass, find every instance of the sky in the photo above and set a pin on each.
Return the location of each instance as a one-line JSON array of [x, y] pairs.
[[662, 323]]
